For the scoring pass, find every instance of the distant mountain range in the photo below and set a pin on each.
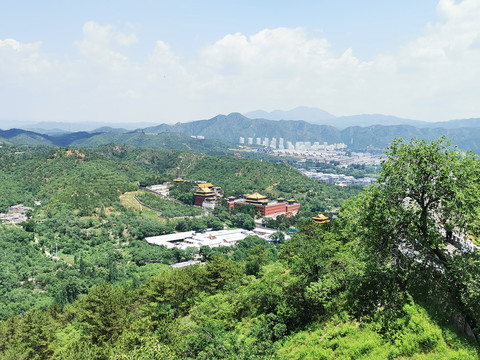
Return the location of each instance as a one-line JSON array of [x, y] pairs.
[[54, 128], [231, 127], [221, 129], [309, 114], [321, 117], [170, 141]]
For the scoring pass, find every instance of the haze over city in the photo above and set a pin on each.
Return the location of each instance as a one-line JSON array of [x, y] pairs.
[[163, 62]]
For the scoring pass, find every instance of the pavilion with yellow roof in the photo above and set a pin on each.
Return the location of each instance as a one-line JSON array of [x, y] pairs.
[[204, 192], [320, 219]]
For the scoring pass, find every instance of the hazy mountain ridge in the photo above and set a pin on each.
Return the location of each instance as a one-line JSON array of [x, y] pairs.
[[229, 128], [322, 117], [376, 119], [56, 127], [309, 114], [453, 124], [24, 137], [302, 113], [232, 127]]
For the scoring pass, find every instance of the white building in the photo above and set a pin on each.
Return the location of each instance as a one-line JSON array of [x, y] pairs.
[[161, 189], [218, 238], [273, 143]]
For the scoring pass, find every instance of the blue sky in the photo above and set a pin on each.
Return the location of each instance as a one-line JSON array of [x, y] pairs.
[[168, 61], [367, 26]]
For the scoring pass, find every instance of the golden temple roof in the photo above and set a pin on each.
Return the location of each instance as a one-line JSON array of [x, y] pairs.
[[320, 218], [204, 192], [178, 180], [255, 196], [207, 185]]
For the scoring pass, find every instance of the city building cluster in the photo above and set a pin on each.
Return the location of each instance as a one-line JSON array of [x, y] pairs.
[[339, 157], [338, 179], [289, 145], [306, 150]]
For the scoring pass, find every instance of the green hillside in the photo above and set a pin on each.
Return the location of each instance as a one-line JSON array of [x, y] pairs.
[[78, 281], [231, 127], [81, 215], [162, 141], [222, 131], [140, 138]]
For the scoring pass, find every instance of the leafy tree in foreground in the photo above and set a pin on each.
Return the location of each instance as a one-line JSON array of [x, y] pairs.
[[424, 192]]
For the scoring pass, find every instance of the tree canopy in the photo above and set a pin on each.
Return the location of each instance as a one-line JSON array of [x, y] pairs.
[[426, 192]]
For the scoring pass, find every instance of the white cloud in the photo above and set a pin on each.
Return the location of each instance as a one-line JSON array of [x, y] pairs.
[[433, 77], [96, 46], [126, 40], [16, 57]]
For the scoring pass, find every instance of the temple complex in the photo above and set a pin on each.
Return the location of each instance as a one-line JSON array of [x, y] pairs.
[[264, 206], [206, 196]]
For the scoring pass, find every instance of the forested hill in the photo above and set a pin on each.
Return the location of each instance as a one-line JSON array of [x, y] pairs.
[[83, 212], [78, 281], [97, 175], [222, 131], [231, 127], [139, 138]]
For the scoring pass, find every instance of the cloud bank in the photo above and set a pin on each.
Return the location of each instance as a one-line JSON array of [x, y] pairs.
[[433, 77]]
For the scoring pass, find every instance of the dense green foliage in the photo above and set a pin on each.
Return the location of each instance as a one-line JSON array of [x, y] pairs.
[[244, 304], [426, 193], [167, 208], [82, 226], [79, 282]]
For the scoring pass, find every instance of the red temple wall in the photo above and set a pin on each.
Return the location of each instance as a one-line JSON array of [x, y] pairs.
[[268, 210], [199, 200], [293, 208]]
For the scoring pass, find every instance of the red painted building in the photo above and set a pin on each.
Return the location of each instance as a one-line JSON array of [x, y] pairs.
[[203, 193], [264, 206]]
